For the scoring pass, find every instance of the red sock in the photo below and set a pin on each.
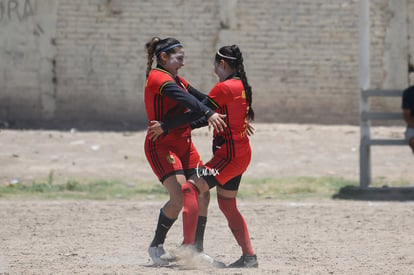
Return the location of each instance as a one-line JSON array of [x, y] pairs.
[[236, 223], [190, 212]]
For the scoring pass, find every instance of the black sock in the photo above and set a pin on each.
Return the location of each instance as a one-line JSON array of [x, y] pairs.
[[164, 224], [199, 237]]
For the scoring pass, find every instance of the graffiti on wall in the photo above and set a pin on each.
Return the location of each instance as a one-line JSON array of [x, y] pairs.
[[15, 10]]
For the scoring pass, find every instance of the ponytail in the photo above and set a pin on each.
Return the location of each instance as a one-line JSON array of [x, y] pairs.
[[150, 46], [234, 58]]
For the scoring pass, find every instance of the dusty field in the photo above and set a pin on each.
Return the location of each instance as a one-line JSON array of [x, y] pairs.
[[317, 237], [108, 237], [279, 150]]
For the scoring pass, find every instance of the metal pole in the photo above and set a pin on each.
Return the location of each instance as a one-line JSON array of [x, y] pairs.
[[364, 147], [364, 83]]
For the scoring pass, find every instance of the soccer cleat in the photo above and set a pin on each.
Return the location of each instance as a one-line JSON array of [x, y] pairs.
[[245, 261], [169, 256], [191, 257], [155, 252], [207, 260]]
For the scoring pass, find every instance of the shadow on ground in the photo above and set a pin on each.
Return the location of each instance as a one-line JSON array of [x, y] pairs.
[[375, 193]]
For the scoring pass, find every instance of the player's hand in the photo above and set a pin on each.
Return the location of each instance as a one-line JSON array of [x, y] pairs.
[[249, 128], [155, 130], [216, 121]]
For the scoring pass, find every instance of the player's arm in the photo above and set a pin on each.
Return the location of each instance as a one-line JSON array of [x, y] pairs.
[[202, 121], [214, 120], [196, 93], [158, 128], [214, 100], [174, 92], [196, 120], [197, 109], [183, 119]]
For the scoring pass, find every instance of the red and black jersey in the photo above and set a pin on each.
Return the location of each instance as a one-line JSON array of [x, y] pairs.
[[166, 98], [231, 147], [160, 107], [229, 98], [232, 153]]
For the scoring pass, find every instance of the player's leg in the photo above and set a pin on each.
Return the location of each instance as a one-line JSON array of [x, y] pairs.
[[203, 202], [190, 193], [167, 167], [191, 161], [174, 205], [226, 197], [168, 215]]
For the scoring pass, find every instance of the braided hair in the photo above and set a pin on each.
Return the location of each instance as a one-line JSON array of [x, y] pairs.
[[233, 56], [156, 46]]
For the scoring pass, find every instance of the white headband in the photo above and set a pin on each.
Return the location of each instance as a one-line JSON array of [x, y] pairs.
[[225, 56]]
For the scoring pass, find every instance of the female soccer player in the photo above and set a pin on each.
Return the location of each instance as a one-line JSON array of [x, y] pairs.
[[172, 157], [232, 96]]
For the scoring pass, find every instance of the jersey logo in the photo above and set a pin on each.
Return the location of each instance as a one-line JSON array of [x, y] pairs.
[[244, 94], [170, 159]]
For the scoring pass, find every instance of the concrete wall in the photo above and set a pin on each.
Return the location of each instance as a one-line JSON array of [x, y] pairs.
[[73, 62], [27, 52]]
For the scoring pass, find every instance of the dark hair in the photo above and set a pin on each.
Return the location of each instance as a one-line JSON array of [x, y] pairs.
[[156, 46], [233, 56]]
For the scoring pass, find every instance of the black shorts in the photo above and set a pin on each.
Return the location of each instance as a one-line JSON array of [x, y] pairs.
[[232, 184]]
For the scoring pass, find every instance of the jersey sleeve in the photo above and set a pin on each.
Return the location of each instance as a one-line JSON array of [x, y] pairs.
[[198, 123], [196, 120], [183, 119], [186, 99], [199, 95]]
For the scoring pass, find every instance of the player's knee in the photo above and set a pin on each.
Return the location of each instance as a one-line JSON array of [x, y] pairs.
[[204, 199], [177, 203], [205, 196], [188, 188], [227, 205]]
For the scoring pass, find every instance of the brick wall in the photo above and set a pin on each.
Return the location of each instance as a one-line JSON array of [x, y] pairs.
[[83, 61]]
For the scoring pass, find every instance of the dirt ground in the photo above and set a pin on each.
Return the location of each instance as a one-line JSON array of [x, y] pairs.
[[279, 150], [290, 237]]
